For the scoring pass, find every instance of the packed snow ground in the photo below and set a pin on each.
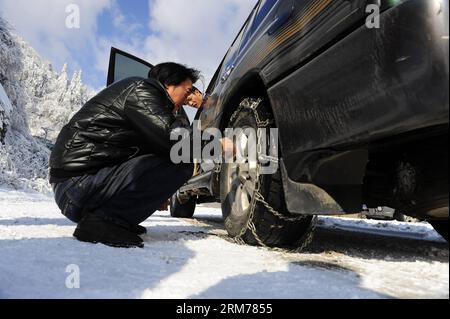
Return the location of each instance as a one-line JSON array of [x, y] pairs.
[[195, 259]]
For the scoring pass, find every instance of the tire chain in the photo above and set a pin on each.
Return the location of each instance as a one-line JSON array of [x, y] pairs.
[[306, 240]]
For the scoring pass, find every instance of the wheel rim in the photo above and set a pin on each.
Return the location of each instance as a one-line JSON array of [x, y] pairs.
[[242, 178]]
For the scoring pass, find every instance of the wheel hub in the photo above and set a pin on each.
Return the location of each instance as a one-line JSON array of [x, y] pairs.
[[243, 177]]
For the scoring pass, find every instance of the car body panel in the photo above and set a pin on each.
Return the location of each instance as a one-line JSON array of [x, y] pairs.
[[272, 54], [336, 86], [360, 91]]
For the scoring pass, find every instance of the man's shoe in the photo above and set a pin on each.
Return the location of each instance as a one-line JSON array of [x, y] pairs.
[[94, 229]]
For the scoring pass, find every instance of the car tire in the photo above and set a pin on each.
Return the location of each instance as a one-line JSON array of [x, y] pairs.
[[183, 209], [238, 201], [441, 227]]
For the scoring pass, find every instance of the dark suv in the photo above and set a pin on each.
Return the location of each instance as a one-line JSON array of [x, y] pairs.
[[361, 110]]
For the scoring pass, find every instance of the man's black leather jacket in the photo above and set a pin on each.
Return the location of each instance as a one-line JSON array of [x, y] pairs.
[[130, 118]]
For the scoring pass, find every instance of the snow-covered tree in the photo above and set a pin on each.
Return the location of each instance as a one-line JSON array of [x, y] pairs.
[[36, 99], [53, 97]]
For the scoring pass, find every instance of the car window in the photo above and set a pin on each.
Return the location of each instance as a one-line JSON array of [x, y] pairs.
[[234, 50], [231, 56], [263, 11]]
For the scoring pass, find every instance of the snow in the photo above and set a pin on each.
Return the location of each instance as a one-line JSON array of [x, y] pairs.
[[423, 231], [195, 259]]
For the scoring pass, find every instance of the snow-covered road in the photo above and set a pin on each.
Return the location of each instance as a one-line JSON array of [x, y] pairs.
[[195, 259]]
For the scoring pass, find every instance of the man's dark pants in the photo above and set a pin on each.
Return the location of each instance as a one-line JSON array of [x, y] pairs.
[[125, 194]]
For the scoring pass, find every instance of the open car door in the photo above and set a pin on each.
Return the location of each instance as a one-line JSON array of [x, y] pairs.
[[123, 65]]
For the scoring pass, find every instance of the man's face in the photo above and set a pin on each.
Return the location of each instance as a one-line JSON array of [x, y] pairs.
[[179, 93], [195, 99]]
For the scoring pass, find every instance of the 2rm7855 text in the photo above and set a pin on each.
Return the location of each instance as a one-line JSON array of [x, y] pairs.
[[246, 308]]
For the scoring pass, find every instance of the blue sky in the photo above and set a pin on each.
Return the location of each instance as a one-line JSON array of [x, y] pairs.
[[135, 13], [195, 32]]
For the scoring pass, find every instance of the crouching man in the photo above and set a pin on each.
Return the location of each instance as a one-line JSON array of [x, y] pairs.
[[110, 168]]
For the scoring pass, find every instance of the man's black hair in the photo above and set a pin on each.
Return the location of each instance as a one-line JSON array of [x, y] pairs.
[[173, 73]]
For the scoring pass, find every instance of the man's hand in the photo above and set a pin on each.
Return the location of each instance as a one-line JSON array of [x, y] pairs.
[[228, 148], [165, 206]]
